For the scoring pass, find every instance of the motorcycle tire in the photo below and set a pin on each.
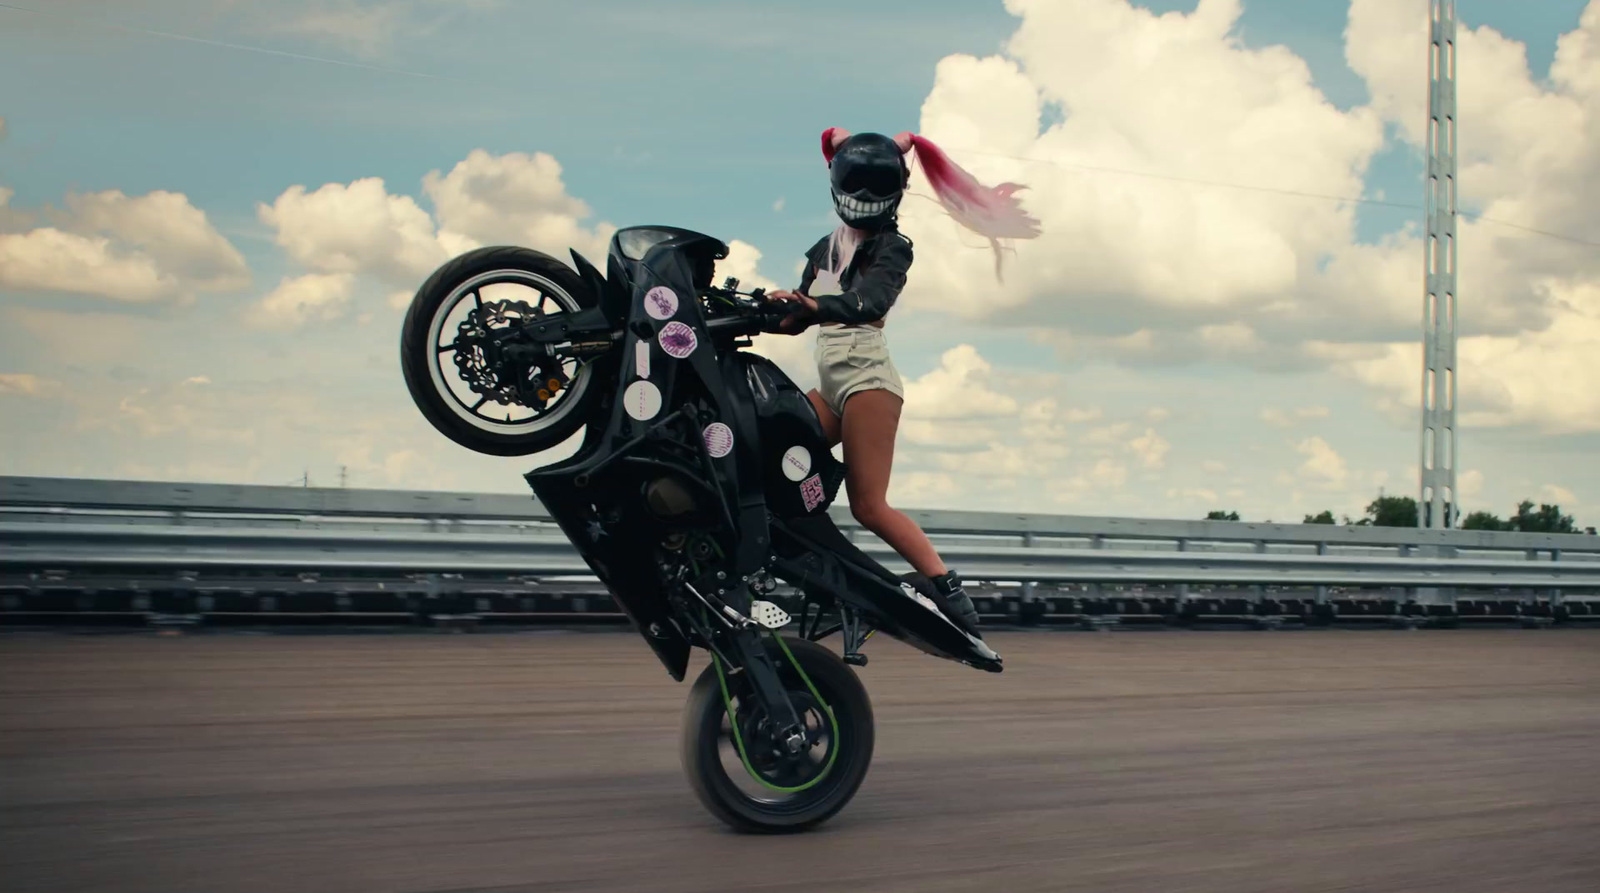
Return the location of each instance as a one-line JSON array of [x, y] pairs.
[[420, 359], [772, 811]]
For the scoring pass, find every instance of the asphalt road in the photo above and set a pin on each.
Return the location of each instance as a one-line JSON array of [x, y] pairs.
[[1289, 762]]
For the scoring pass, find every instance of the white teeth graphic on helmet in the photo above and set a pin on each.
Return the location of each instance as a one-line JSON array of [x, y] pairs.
[[861, 208]]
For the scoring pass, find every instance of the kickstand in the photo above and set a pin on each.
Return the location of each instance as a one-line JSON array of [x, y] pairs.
[[854, 637]]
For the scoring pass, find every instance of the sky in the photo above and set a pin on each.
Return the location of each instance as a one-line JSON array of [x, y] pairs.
[[212, 214]]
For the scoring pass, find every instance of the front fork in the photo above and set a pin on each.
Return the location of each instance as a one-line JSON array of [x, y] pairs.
[[737, 641]]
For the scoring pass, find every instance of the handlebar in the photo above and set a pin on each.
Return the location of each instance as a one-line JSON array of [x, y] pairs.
[[747, 312]]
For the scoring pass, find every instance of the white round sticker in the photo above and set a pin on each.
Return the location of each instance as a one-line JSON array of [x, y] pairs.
[[660, 302], [796, 463], [642, 400], [677, 340], [719, 440]]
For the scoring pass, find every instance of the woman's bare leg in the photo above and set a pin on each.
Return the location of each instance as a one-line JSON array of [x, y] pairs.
[[825, 415], [871, 420]]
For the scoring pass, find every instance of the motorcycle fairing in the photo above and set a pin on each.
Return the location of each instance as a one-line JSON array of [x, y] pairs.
[[659, 479]]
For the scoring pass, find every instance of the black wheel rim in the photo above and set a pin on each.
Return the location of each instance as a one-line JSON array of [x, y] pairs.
[[466, 374]]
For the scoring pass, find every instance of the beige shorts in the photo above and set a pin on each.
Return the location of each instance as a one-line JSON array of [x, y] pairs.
[[851, 359]]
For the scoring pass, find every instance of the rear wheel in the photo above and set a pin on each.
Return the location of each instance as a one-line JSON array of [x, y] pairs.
[[747, 778], [455, 366]]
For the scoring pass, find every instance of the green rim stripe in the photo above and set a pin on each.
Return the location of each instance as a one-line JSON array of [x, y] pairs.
[[733, 721]]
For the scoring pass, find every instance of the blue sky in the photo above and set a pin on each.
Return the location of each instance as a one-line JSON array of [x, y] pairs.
[[703, 114]]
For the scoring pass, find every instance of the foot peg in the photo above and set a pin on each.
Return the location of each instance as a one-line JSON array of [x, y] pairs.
[[768, 614], [855, 659]]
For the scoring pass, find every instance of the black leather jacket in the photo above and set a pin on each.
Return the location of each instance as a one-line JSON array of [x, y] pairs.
[[871, 283]]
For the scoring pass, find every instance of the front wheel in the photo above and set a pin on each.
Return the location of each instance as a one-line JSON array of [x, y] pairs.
[[749, 780], [456, 365]]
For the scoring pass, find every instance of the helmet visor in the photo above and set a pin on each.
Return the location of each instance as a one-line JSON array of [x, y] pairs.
[[877, 180]]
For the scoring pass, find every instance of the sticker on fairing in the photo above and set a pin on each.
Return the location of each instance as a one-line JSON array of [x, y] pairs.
[[660, 302], [811, 492], [719, 440], [796, 463], [642, 400], [677, 339], [641, 359]]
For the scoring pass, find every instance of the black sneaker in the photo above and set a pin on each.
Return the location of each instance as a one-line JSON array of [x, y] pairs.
[[961, 609]]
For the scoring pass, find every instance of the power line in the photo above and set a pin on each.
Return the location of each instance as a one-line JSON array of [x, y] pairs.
[[189, 38], [1199, 181]]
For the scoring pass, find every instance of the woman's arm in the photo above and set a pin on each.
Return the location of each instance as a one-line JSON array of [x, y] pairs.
[[875, 288]]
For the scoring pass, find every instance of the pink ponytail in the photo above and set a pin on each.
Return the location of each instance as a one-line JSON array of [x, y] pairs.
[[991, 212]]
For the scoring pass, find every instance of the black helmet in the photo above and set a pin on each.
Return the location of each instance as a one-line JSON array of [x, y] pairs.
[[869, 175]]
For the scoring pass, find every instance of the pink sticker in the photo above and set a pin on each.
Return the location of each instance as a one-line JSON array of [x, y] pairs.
[[719, 440], [811, 492], [660, 302], [641, 358], [677, 340]]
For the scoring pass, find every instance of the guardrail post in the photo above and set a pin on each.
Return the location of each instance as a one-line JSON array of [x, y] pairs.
[[1321, 597], [1258, 590], [1183, 588], [1555, 594]]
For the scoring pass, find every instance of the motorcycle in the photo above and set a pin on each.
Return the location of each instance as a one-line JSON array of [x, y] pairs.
[[702, 480]]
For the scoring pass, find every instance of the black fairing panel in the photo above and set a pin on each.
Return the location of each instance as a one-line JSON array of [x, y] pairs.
[[787, 422], [814, 555]]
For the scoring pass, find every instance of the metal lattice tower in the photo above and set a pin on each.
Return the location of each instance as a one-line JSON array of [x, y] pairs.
[[1438, 506]]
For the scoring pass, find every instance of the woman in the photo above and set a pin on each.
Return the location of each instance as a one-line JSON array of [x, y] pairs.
[[851, 279]]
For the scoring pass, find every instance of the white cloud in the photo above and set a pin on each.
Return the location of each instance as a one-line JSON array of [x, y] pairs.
[[1558, 495], [1158, 270], [360, 228], [1280, 418], [107, 244], [1109, 472], [959, 388], [1470, 483], [1547, 379], [1139, 248], [366, 29], [314, 297], [26, 384], [1529, 154], [1323, 465], [357, 228], [1151, 449], [1212, 466], [517, 199]]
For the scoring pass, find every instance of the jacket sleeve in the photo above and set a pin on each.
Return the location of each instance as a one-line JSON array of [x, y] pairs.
[[875, 287], [809, 274]]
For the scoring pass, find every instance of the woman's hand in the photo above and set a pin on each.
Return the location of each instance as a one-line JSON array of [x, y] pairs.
[[800, 319]]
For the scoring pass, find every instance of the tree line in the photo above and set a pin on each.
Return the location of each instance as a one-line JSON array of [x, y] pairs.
[[1401, 511]]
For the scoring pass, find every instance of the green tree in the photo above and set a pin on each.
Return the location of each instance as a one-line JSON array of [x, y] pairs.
[[1392, 511], [1326, 517], [1548, 519], [1222, 516], [1484, 521]]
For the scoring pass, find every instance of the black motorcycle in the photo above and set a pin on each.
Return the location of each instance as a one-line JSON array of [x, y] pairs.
[[703, 478]]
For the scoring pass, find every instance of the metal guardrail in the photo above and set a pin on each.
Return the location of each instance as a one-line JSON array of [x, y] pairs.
[[226, 538]]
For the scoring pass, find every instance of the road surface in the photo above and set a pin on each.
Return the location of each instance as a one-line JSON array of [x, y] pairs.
[[1159, 762]]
